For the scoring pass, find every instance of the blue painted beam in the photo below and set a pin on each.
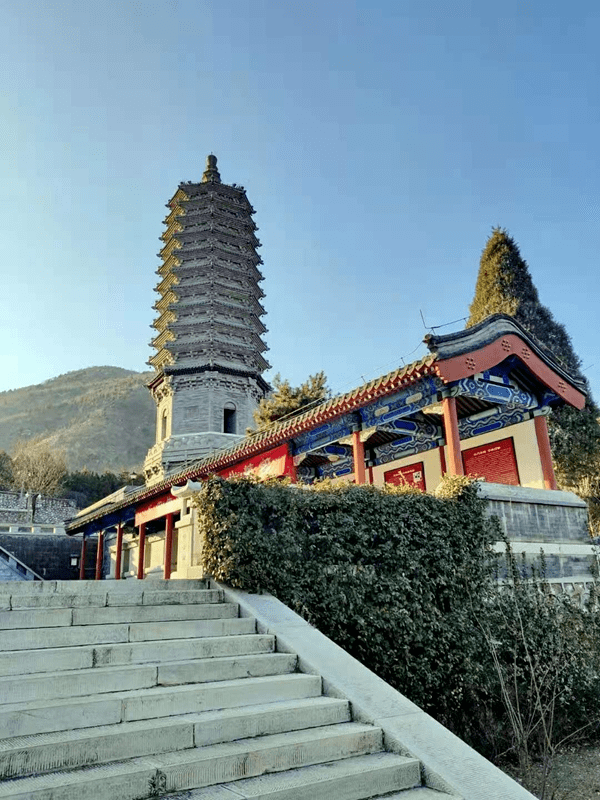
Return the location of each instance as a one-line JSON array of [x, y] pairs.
[[493, 392], [420, 430], [402, 404], [401, 448], [499, 418], [323, 435], [336, 469], [121, 516]]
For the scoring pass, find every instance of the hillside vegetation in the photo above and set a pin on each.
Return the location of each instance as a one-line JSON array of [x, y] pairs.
[[102, 418]]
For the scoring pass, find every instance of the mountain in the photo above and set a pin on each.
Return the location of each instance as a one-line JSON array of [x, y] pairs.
[[103, 418]]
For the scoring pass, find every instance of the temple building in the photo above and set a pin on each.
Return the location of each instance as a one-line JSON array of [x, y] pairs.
[[209, 348], [476, 404]]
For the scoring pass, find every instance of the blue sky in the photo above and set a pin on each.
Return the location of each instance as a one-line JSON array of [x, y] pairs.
[[379, 143]]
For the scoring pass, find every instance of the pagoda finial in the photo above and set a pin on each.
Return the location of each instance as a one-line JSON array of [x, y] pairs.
[[211, 173]]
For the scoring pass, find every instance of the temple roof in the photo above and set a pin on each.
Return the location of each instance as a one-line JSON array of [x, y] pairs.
[[476, 349]]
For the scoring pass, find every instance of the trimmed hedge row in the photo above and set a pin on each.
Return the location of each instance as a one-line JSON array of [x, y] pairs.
[[394, 577], [406, 583]]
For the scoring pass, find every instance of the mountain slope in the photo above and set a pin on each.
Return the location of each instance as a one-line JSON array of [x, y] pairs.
[[103, 418]]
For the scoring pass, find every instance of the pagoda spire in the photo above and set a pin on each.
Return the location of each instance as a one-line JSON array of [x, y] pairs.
[[211, 173]]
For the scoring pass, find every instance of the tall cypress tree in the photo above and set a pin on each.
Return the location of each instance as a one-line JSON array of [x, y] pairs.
[[504, 285]]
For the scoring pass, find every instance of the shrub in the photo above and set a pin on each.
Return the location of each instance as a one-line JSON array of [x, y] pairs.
[[406, 583], [388, 575], [546, 666]]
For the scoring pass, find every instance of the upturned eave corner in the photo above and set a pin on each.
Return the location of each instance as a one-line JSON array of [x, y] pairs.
[[490, 342]]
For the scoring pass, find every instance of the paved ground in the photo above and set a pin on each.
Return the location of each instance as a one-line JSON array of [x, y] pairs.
[[575, 775]]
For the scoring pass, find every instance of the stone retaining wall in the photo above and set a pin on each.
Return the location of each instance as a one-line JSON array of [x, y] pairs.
[[554, 522]]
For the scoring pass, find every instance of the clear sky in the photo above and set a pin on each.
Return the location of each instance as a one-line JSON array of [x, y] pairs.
[[379, 142]]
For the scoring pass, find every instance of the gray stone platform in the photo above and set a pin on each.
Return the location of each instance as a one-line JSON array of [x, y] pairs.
[[555, 522]]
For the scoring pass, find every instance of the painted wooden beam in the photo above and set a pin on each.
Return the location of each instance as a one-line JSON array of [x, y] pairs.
[[493, 392]]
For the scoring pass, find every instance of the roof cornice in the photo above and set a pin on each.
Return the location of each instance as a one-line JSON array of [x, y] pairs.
[[487, 332]]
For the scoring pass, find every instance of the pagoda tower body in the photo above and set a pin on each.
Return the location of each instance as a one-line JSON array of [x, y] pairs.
[[209, 347]]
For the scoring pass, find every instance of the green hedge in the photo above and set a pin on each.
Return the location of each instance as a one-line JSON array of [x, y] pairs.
[[392, 577], [406, 583]]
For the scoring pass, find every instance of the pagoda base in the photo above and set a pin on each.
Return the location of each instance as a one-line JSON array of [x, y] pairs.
[[177, 452]]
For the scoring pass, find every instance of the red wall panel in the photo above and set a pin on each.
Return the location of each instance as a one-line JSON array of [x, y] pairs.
[[496, 462], [272, 464], [412, 474]]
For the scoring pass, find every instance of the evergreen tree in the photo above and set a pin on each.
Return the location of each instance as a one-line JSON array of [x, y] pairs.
[[504, 285], [287, 399], [85, 487]]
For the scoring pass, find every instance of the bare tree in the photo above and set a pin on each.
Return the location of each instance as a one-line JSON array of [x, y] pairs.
[[36, 468], [6, 471]]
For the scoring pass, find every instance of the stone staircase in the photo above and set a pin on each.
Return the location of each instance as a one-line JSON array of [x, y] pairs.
[[12, 569], [132, 690]]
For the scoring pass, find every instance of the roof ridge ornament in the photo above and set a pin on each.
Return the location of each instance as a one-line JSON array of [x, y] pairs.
[[211, 173]]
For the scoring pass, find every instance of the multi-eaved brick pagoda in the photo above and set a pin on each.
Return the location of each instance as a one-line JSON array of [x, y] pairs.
[[209, 344]]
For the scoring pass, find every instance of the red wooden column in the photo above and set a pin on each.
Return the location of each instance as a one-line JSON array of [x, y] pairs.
[[168, 545], [290, 467], [455, 464], [358, 454], [443, 460], [82, 559], [99, 554], [119, 552], [142, 553], [543, 440]]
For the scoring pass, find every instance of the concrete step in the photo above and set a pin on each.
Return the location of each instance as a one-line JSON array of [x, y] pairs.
[[418, 793], [89, 587], [35, 639], [148, 613], [140, 778], [75, 683], [13, 662], [183, 649], [30, 755], [351, 779], [27, 719], [110, 598], [36, 618], [61, 617], [101, 680], [149, 631], [226, 725], [233, 667]]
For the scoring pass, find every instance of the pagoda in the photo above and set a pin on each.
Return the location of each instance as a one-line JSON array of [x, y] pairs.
[[209, 346]]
